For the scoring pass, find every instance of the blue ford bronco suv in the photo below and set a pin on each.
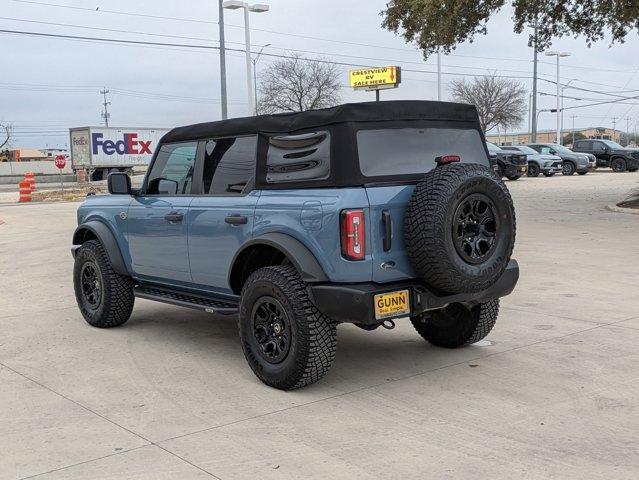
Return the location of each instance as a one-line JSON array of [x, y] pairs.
[[361, 213]]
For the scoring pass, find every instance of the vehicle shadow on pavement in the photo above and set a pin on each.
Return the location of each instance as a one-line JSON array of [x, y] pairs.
[[362, 358]]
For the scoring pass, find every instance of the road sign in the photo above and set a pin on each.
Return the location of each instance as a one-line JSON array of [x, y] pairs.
[[60, 161], [375, 78]]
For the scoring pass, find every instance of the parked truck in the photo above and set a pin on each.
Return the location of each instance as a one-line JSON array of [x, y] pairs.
[[101, 150]]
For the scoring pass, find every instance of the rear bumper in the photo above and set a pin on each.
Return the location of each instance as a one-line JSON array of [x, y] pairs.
[[353, 303]]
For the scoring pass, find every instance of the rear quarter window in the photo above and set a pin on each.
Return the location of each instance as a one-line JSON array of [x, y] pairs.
[[302, 157], [412, 151]]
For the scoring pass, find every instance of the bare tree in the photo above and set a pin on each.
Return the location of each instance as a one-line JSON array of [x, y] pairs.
[[6, 131], [500, 102], [296, 84]]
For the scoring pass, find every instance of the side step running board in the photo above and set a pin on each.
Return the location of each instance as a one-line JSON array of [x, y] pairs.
[[182, 299]]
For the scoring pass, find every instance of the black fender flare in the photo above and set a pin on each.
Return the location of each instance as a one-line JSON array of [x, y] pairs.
[[300, 256], [104, 234]]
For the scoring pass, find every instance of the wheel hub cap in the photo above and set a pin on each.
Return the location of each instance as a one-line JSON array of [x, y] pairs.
[[91, 285], [271, 329], [475, 228]]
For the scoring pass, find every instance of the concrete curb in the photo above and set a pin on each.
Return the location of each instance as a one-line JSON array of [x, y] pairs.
[[614, 208]]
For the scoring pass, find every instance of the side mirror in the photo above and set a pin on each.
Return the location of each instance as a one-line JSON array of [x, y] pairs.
[[119, 183]]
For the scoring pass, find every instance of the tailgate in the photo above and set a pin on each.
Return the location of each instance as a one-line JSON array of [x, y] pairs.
[[387, 206]]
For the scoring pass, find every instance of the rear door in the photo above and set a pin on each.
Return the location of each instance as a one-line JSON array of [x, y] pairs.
[[221, 218], [385, 153]]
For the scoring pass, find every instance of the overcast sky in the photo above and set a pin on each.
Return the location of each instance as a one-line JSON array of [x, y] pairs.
[[48, 85]]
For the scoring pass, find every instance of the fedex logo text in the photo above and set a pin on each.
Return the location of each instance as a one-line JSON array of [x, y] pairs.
[[130, 145]]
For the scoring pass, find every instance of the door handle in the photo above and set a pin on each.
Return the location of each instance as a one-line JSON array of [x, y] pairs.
[[388, 230], [236, 220], [174, 217]]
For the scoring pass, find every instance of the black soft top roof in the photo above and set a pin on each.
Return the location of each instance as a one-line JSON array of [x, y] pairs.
[[348, 112]]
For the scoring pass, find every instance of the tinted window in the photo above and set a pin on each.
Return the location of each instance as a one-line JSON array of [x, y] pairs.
[[598, 147], [406, 151], [172, 172], [583, 145], [293, 158], [229, 165]]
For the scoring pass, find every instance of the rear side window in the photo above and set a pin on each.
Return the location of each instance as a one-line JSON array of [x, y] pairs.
[[229, 165], [294, 158], [409, 151], [583, 145]]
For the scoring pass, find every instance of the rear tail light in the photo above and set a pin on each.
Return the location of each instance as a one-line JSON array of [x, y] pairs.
[[352, 236]]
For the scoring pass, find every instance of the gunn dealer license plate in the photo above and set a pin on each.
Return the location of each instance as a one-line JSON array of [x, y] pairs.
[[392, 304]]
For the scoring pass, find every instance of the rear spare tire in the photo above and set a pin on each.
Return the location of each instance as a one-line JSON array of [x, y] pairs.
[[460, 228]]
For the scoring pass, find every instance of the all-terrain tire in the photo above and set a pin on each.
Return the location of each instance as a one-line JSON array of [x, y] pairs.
[[456, 326], [313, 336], [114, 303], [433, 241]]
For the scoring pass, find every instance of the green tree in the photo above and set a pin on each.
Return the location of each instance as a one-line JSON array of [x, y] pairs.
[[443, 24]]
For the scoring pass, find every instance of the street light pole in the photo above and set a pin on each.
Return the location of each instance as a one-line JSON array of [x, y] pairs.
[[439, 77], [533, 130], [223, 101], [255, 74], [257, 8], [558, 55]]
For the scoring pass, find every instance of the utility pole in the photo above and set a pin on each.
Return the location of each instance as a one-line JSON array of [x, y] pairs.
[[223, 101], [558, 55], [627, 131], [614, 127], [439, 77], [105, 112], [573, 129], [529, 115], [533, 133], [255, 60]]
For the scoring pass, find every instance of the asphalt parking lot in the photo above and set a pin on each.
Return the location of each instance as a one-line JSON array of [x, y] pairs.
[[552, 393]]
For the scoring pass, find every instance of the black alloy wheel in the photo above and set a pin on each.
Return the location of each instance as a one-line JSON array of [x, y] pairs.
[[475, 226], [91, 285], [271, 329]]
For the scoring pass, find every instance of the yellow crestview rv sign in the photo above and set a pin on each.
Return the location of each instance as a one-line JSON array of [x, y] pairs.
[[375, 77]]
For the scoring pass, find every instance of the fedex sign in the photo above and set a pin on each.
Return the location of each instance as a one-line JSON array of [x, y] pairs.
[[129, 145]]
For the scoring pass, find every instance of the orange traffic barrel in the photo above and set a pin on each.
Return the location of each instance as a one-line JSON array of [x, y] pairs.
[[25, 191], [30, 177]]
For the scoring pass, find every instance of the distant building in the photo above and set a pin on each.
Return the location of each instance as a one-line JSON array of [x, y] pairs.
[[550, 136], [54, 152], [27, 155]]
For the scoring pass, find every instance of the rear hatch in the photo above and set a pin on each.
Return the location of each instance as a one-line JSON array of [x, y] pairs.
[[393, 160]]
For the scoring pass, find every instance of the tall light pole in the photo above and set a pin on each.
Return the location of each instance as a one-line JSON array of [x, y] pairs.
[[255, 60], [223, 101], [563, 87], [439, 77], [257, 8], [533, 130], [558, 55], [105, 103]]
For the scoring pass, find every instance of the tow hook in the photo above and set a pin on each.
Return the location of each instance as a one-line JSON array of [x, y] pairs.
[[388, 324]]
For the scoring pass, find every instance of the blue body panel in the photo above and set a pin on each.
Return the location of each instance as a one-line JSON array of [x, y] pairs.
[[392, 199], [312, 216], [108, 209], [196, 253], [159, 248], [213, 242]]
